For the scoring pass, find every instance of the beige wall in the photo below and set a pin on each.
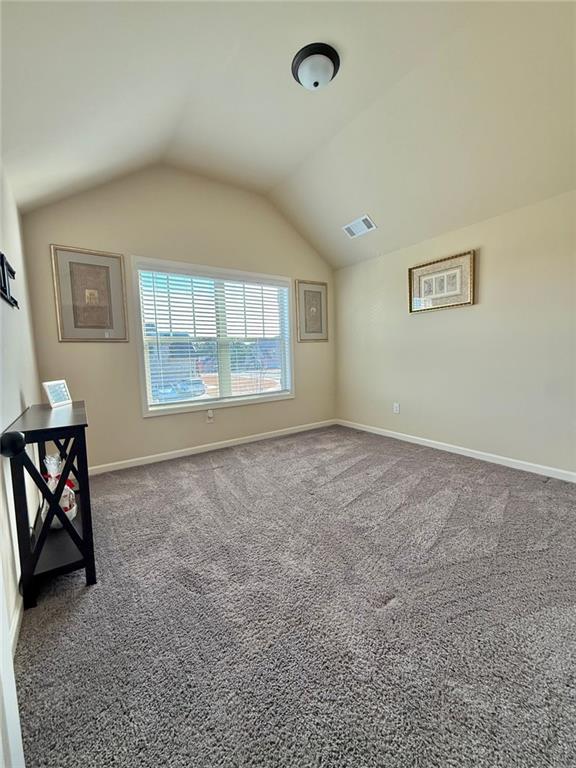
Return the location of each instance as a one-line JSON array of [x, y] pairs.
[[161, 212], [18, 382], [498, 376]]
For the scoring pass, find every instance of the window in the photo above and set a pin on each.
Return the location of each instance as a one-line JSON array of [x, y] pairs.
[[213, 339]]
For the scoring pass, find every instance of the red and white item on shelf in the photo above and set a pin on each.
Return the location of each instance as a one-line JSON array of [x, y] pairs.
[[54, 466]]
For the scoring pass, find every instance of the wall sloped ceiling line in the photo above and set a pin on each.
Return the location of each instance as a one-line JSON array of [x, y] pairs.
[[440, 116]]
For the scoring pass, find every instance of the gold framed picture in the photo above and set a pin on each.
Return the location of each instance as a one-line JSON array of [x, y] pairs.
[[90, 294], [312, 310], [442, 284]]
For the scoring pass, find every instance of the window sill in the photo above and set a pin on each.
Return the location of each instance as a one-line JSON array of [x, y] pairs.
[[206, 405]]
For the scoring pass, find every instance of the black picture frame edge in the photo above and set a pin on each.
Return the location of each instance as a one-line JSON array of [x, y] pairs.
[[7, 273]]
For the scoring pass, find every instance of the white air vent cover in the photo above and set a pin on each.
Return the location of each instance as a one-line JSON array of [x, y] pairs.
[[359, 226]]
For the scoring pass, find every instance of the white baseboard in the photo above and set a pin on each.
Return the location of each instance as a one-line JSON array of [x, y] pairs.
[[526, 466], [178, 454], [15, 624]]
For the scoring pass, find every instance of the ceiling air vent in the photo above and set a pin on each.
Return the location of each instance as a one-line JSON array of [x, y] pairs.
[[359, 227]]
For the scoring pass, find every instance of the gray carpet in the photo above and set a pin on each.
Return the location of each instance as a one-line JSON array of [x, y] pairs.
[[333, 598]]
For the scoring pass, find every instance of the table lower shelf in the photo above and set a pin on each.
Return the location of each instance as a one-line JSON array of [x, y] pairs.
[[59, 553]]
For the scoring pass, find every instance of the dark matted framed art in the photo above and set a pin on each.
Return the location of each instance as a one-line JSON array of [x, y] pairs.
[[90, 293]]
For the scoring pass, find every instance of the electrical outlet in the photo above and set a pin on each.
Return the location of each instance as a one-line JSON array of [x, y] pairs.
[[395, 407], [210, 416]]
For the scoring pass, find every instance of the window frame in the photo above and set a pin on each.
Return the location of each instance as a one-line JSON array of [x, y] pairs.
[[187, 268]]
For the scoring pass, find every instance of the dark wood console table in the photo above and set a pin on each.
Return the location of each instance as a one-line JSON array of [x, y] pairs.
[[45, 551]]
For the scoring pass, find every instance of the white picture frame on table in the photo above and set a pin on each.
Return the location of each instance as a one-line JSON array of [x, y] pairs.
[[57, 393]]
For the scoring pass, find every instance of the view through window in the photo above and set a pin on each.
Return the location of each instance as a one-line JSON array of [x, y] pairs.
[[212, 338]]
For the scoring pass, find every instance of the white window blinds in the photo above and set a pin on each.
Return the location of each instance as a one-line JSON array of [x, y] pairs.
[[212, 338]]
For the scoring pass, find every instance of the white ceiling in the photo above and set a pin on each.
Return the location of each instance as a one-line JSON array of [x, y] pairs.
[[487, 124], [442, 114]]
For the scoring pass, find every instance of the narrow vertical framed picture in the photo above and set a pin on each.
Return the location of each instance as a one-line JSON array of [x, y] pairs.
[[312, 310], [442, 284], [90, 294]]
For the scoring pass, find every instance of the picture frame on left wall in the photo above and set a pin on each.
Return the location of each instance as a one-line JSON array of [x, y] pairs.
[[90, 294]]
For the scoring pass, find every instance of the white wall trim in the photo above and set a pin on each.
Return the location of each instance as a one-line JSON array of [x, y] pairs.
[[178, 454], [15, 624], [11, 752], [526, 466]]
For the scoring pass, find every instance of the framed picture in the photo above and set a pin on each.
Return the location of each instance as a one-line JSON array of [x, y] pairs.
[[442, 283], [312, 310], [90, 294], [57, 392]]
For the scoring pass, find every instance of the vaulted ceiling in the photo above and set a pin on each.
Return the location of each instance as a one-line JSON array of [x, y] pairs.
[[442, 114]]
